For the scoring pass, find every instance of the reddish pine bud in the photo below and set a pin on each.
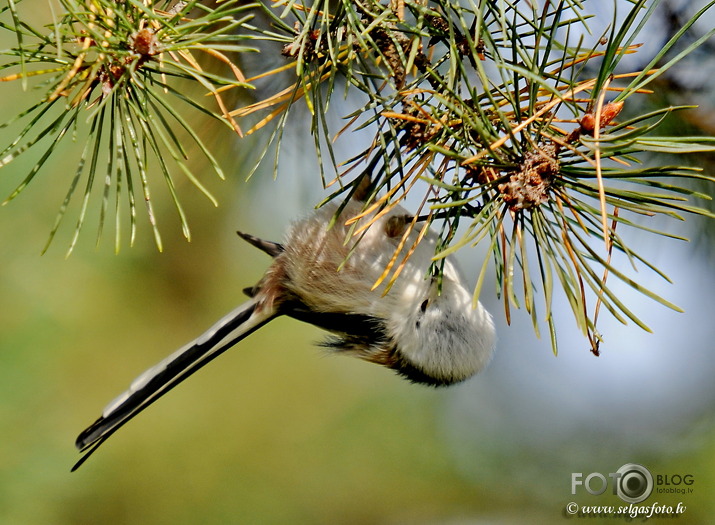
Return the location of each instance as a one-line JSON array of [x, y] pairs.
[[608, 113], [143, 42]]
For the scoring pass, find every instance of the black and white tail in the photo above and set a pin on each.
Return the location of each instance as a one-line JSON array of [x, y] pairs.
[[164, 376]]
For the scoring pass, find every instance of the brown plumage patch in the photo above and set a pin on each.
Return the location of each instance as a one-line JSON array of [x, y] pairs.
[[272, 285]]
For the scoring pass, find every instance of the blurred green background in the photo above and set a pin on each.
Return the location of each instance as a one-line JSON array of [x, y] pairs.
[[275, 431]]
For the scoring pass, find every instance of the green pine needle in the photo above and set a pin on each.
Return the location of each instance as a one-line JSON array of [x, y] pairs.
[[108, 73], [507, 115]]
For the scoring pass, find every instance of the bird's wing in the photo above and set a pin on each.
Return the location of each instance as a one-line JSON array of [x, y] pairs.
[[164, 376]]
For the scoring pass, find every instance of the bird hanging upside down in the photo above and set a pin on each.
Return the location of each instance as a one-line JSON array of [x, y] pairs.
[[424, 328]]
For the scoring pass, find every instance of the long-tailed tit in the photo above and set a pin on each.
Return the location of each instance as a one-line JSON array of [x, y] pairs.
[[424, 328]]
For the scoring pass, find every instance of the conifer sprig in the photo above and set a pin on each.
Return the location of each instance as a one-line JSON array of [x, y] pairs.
[[507, 122], [514, 123], [107, 75]]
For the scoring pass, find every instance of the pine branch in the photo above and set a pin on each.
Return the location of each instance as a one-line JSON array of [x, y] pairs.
[[109, 73], [499, 112]]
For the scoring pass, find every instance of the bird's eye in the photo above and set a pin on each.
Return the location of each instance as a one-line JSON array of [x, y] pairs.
[[424, 305]]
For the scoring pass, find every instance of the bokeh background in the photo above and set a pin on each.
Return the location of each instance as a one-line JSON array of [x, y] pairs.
[[276, 431]]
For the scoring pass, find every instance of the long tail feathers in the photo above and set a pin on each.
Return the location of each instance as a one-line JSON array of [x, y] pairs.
[[164, 376]]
